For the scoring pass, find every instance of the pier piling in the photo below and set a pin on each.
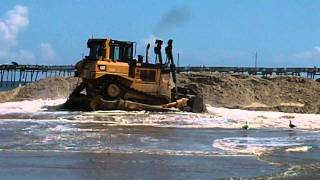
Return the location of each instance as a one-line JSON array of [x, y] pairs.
[[30, 73]]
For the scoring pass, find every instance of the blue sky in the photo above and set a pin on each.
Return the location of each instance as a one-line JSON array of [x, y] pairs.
[[215, 33]]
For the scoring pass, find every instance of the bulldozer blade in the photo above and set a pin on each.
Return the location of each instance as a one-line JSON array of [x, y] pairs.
[[76, 103], [98, 103], [197, 104]]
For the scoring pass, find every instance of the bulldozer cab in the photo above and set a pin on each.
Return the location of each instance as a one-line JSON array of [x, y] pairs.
[[119, 55], [107, 49]]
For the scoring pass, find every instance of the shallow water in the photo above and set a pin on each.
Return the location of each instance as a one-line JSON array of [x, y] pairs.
[[144, 145]]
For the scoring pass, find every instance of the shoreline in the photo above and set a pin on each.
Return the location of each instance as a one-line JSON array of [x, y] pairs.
[[214, 117]]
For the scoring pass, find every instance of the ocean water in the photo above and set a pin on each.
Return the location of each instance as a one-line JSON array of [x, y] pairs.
[[37, 143], [7, 85]]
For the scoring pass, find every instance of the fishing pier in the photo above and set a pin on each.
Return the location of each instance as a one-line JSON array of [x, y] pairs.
[[260, 71], [12, 75], [15, 75]]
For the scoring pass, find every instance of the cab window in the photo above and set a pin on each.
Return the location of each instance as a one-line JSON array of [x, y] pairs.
[[128, 53], [122, 52], [115, 52], [96, 50]]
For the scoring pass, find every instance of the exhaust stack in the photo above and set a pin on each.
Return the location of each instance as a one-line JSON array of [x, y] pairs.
[[147, 53], [157, 50], [172, 65]]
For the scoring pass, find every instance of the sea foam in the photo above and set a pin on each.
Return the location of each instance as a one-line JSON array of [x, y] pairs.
[[28, 106], [214, 118]]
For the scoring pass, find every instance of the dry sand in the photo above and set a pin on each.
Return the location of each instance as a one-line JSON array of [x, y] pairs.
[[50, 88], [286, 94]]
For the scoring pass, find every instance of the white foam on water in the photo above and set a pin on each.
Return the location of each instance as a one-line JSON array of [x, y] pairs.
[[165, 119], [253, 145], [265, 119], [67, 128], [299, 149], [214, 118], [28, 106], [260, 145]]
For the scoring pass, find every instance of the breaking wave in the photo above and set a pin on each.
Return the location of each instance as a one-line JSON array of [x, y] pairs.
[[261, 145]]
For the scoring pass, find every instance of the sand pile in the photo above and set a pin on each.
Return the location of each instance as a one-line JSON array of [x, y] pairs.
[[50, 88], [287, 94]]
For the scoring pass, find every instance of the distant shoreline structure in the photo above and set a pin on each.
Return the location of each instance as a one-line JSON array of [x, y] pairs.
[[7, 85], [308, 72], [13, 75]]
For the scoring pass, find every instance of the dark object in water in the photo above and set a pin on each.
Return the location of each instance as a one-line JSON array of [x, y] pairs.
[[246, 126], [291, 125]]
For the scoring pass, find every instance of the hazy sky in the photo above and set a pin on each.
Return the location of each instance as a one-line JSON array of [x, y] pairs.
[[216, 33]]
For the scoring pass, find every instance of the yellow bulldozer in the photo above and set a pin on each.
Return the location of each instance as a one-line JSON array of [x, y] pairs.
[[112, 78]]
